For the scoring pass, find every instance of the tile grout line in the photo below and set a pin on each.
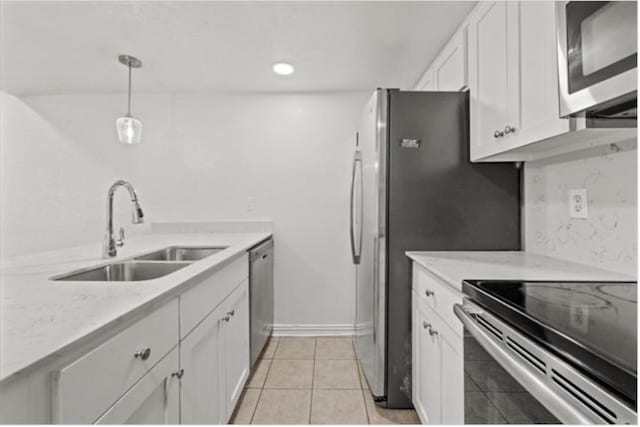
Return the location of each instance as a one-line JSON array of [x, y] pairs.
[[313, 374], [253, 414], [362, 390]]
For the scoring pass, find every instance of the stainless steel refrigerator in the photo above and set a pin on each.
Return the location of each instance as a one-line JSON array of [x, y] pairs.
[[413, 188]]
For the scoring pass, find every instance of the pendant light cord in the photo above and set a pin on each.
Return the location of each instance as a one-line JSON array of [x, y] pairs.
[[129, 94]]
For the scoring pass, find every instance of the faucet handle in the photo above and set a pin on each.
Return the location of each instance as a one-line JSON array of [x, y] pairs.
[[120, 241]]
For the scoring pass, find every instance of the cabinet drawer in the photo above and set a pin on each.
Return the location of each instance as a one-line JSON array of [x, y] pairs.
[[153, 400], [200, 300], [86, 388], [438, 295]]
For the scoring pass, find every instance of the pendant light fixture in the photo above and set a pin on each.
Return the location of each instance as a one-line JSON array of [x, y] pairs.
[[129, 128]]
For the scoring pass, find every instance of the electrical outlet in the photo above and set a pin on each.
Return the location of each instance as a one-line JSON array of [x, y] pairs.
[[251, 204], [578, 203]]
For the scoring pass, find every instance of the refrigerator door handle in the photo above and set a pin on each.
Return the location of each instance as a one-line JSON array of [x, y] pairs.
[[354, 255]]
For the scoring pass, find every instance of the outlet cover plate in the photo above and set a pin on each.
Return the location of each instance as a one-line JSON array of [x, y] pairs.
[[578, 203]]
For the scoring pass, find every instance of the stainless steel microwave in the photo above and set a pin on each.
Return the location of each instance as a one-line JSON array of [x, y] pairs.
[[597, 58]]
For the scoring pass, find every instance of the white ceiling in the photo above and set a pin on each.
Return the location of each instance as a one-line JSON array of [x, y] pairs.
[[72, 47]]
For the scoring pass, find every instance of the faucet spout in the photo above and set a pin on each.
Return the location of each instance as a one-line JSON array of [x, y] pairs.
[[110, 243]]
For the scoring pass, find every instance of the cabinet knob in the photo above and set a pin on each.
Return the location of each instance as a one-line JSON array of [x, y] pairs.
[[143, 354], [178, 374], [426, 324], [428, 292], [498, 134], [509, 129], [432, 331]]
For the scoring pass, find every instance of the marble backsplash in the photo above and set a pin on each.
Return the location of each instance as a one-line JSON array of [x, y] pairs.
[[608, 237]]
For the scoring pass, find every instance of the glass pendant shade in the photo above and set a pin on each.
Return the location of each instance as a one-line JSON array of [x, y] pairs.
[[129, 130]]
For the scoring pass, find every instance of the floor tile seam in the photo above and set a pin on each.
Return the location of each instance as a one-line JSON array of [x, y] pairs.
[[266, 375]]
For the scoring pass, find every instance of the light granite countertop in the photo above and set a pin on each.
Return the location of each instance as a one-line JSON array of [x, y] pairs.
[[454, 267], [40, 318]]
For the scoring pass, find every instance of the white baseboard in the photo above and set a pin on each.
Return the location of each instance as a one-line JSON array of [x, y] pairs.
[[285, 330]]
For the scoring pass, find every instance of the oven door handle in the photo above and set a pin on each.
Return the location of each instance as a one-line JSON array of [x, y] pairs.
[[557, 404]]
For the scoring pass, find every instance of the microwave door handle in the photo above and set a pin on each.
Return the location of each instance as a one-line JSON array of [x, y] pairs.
[[562, 409], [352, 237]]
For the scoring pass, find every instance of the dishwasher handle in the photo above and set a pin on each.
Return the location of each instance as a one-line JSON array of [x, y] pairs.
[[261, 251]]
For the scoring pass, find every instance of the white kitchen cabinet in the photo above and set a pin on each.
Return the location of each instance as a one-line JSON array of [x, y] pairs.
[[426, 366], [437, 351], [449, 69], [152, 400], [235, 347], [493, 75], [451, 391], [114, 367], [514, 84], [426, 82], [215, 359], [200, 394]]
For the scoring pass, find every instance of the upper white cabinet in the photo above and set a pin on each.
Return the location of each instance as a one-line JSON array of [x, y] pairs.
[[426, 82], [512, 77], [448, 72], [450, 67]]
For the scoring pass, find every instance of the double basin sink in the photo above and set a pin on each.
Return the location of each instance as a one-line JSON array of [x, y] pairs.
[[143, 267]]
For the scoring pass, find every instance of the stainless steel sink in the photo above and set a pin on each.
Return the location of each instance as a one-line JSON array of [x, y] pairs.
[[180, 253], [129, 271]]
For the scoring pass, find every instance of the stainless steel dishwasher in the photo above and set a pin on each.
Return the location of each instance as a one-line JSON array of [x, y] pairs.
[[260, 296]]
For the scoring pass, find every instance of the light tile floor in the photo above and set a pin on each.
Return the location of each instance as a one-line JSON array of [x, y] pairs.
[[312, 381]]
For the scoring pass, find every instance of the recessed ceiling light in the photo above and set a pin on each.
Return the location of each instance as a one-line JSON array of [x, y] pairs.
[[283, 68]]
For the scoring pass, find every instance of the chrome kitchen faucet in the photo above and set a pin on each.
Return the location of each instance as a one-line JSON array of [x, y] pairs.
[[110, 243]]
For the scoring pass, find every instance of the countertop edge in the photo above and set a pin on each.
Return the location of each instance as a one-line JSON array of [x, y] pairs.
[[130, 315]]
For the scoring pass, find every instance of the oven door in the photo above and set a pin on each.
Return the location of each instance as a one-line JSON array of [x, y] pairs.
[[597, 55], [509, 379]]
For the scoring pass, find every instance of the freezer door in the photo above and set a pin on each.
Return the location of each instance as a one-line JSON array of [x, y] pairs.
[[370, 272]]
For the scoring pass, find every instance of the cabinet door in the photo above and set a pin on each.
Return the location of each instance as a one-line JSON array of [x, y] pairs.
[[235, 346], [200, 393], [426, 388], [153, 400], [450, 67], [539, 115], [493, 74], [450, 346], [426, 82]]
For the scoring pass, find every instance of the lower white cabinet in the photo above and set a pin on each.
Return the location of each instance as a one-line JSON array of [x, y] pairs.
[[200, 388], [235, 347], [185, 361], [153, 400], [215, 359], [426, 366], [438, 358]]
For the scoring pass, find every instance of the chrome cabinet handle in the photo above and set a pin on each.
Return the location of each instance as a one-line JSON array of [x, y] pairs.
[[509, 129], [428, 292], [143, 354], [426, 324], [432, 331], [178, 374], [498, 134]]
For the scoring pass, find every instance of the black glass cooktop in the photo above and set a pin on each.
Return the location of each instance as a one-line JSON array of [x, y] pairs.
[[592, 325]]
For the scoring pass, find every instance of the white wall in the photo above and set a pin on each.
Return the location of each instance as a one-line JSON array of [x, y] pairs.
[[608, 237], [203, 157]]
